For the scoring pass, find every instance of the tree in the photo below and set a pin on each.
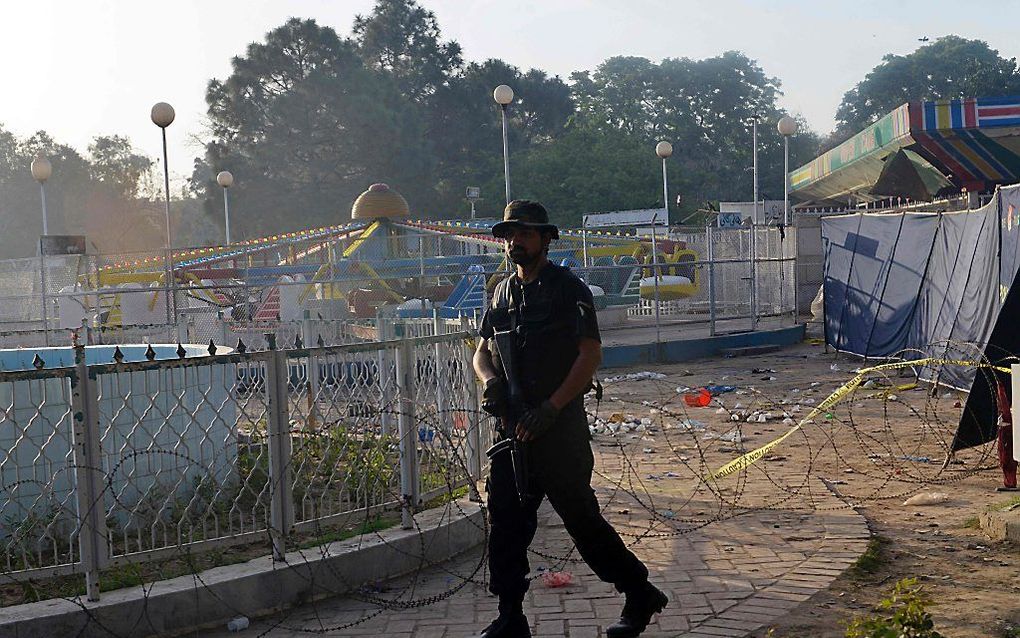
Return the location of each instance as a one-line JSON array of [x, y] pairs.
[[402, 39], [307, 120], [465, 127], [115, 165], [94, 196], [19, 205], [305, 126], [705, 108], [586, 169], [621, 94], [949, 67], [67, 190]]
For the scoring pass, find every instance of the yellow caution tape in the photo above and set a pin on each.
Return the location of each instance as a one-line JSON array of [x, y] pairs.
[[746, 460]]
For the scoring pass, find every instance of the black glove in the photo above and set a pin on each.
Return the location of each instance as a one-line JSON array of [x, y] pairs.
[[536, 421], [494, 397]]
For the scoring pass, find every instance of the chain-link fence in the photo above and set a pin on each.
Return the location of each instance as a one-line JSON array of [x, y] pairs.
[[38, 515], [157, 452], [727, 279], [348, 289]]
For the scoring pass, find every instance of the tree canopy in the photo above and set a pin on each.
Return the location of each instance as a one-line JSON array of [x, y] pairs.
[[403, 40], [604, 158], [304, 125], [949, 67], [106, 194], [308, 119], [117, 166]]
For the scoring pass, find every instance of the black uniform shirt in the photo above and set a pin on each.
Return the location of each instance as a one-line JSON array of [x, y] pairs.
[[555, 311]]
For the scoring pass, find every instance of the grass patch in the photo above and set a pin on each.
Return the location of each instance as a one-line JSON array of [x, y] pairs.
[[972, 523], [132, 575], [1002, 506], [374, 524], [443, 499], [872, 560]]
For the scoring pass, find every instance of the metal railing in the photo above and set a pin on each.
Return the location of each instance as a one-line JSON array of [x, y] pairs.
[[126, 462]]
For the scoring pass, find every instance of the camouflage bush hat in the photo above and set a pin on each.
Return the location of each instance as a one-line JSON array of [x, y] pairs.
[[524, 212]]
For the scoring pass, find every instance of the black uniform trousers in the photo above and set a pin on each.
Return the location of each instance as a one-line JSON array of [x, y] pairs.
[[560, 469]]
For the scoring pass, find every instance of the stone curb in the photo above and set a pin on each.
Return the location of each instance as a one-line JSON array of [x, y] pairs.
[[255, 588], [614, 356], [1001, 526]]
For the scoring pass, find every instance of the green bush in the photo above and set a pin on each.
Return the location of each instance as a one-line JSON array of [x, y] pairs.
[[910, 618]]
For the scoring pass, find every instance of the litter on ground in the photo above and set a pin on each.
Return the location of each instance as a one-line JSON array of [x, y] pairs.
[[554, 580], [635, 376], [926, 498]]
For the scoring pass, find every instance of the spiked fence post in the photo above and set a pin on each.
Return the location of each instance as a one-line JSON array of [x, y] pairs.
[[281, 506], [88, 474], [710, 241]]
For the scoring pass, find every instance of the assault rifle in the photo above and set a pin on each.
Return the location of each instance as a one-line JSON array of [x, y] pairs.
[[506, 345]]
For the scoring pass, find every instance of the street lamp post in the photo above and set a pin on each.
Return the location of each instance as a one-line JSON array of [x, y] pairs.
[[754, 220], [754, 166], [41, 171], [226, 180], [788, 126], [162, 115], [663, 149], [504, 95]]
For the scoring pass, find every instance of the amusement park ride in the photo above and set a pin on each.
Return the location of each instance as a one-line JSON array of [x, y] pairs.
[[381, 259]]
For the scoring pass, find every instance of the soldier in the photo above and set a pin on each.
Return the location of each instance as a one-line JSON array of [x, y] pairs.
[[558, 349]]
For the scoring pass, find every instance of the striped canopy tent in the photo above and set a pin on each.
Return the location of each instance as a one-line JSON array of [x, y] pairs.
[[942, 146]]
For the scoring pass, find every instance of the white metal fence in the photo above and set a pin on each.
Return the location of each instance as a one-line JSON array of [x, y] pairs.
[[127, 462]]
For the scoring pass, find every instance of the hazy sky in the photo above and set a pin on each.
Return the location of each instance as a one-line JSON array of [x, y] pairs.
[[81, 68]]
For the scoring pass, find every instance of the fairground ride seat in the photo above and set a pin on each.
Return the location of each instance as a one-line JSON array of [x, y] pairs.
[[679, 277]]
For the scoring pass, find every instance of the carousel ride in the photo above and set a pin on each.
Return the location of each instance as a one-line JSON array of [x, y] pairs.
[[381, 262]]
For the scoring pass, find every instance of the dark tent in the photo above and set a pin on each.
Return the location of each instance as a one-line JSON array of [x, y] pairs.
[[907, 174], [919, 285]]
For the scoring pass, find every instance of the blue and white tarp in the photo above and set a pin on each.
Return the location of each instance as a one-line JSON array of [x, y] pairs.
[[917, 285]]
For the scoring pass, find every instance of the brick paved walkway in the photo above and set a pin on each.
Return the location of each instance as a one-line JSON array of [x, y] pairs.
[[724, 578]]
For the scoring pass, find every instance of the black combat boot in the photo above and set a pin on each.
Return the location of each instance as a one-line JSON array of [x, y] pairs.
[[508, 626], [511, 622], [641, 605]]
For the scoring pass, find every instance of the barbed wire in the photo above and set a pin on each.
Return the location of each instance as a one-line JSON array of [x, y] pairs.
[[884, 440]]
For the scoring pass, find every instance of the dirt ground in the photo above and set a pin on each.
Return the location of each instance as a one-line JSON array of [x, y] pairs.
[[881, 445]]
